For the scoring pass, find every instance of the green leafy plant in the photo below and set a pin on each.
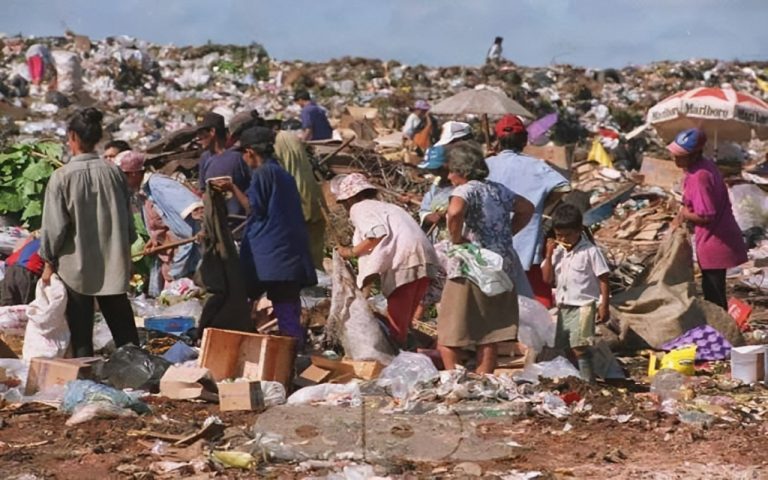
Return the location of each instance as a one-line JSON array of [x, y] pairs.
[[24, 172]]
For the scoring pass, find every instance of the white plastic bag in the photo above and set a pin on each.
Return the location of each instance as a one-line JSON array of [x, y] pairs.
[[14, 319], [482, 267], [405, 371], [327, 394], [274, 393], [47, 332], [69, 74], [537, 328]]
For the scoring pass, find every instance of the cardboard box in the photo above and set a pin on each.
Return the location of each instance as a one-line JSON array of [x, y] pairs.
[[749, 364], [364, 369], [226, 353], [3, 374], [661, 173], [314, 375], [234, 396], [47, 372], [188, 383], [5, 351], [557, 155]]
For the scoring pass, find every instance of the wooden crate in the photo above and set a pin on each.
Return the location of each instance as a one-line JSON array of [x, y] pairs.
[[225, 353]]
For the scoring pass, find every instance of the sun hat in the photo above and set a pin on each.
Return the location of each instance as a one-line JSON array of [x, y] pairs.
[[421, 105], [130, 161], [452, 131], [351, 185]]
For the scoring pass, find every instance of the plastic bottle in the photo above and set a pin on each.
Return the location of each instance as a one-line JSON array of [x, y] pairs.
[[668, 384]]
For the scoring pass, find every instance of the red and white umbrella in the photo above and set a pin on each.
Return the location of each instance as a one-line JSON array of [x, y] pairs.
[[724, 113]]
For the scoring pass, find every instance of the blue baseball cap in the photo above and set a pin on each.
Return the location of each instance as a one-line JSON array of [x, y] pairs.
[[434, 158], [688, 141]]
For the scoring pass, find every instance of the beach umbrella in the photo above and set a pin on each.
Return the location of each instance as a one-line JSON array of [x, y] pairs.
[[482, 101], [724, 113]]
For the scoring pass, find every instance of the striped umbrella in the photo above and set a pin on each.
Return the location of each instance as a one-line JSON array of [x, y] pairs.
[[724, 113]]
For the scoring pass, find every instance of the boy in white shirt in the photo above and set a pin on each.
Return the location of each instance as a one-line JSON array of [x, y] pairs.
[[579, 271]]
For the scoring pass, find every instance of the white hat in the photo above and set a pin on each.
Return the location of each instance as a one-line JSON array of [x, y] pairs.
[[453, 130], [350, 185]]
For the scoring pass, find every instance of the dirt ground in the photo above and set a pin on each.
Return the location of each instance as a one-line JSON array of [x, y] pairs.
[[650, 445]]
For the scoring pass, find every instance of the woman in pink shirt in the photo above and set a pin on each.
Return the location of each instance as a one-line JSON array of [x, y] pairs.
[[718, 239]]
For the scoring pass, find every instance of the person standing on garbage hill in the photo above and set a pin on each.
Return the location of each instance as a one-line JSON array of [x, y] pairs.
[[86, 237], [535, 180], [275, 248], [707, 207], [421, 128], [579, 271], [314, 122], [41, 66], [486, 214], [218, 161], [294, 158], [494, 53], [390, 245]]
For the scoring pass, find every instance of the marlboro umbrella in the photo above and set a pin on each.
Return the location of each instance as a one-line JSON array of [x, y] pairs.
[[724, 113], [480, 102]]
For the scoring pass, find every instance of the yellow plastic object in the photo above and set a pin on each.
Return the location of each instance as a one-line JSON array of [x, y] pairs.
[[234, 459], [599, 154], [680, 360]]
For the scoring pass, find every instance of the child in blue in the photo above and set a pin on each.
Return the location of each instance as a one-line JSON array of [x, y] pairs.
[[580, 273]]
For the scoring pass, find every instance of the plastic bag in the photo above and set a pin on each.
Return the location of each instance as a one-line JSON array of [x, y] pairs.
[[405, 371], [351, 321], [536, 329], [274, 393], [480, 266], [133, 367], [557, 368], [88, 411], [69, 74], [327, 394], [680, 360], [47, 333], [80, 392]]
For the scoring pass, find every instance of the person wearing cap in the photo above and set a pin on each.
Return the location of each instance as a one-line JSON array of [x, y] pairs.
[[314, 122], [165, 211], [420, 127], [242, 122], [219, 161], [435, 201], [390, 245], [453, 132], [534, 180], [294, 158], [707, 206], [275, 248]]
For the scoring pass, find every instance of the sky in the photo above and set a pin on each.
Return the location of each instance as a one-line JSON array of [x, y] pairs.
[[590, 33]]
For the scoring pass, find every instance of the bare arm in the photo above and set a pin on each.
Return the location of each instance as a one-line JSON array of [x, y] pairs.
[[226, 185], [547, 271], [455, 220], [603, 311], [523, 211]]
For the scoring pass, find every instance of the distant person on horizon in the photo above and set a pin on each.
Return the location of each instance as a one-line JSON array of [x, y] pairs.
[[494, 53], [314, 122]]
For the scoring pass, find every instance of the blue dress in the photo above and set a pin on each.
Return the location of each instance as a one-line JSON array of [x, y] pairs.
[[275, 246]]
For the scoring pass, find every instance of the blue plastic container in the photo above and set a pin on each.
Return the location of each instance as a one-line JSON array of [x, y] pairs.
[[169, 324]]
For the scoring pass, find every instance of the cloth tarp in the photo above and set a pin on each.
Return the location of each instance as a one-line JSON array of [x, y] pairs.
[[666, 305]]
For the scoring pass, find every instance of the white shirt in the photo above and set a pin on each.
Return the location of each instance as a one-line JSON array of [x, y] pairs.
[[411, 124], [577, 272], [494, 53]]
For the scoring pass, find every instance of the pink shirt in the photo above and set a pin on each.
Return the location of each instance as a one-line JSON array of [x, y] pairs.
[[719, 243]]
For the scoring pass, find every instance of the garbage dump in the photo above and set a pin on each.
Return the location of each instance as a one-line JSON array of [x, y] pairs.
[[307, 380]]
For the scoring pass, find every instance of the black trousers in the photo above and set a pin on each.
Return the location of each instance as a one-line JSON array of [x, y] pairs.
[[713, 286], [117, 312], [18, 286]]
